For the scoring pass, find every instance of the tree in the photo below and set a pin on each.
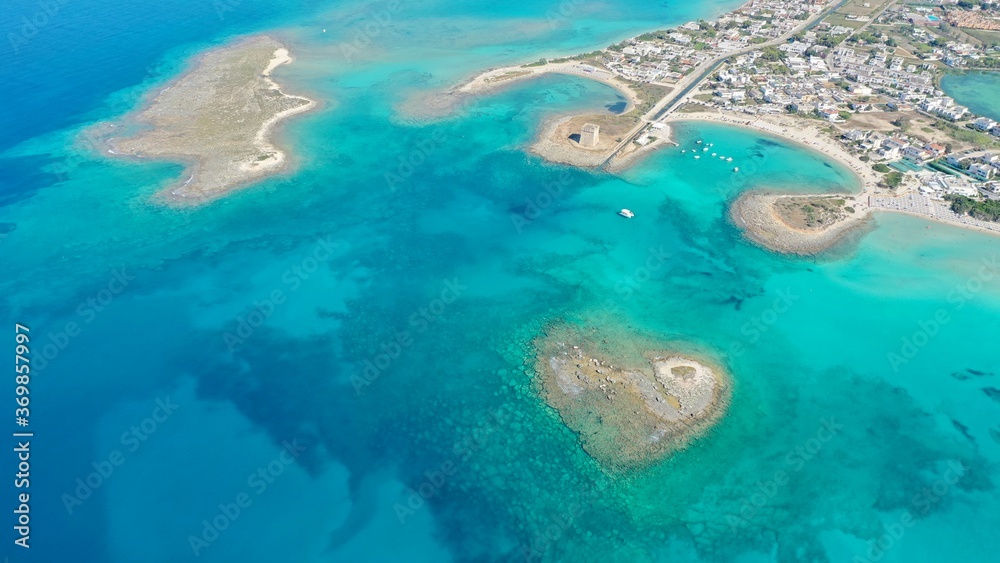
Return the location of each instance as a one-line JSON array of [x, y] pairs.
[[893, 179], [770, 54], [988, 210]]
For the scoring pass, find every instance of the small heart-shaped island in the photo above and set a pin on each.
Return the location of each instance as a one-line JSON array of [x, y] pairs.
[[630, 403]]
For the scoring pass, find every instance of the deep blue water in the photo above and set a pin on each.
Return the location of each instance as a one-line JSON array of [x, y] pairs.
[[329, 366]]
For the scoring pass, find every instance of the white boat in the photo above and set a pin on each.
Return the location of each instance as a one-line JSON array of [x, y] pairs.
[[626, 213], [699, 142], [696, 157], [704, 149], [683, 151], [737, 169], [722, 158], [713, 154], [730, 159]]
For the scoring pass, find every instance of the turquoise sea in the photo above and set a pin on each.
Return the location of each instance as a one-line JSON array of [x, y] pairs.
[[335, 364], [977, 90]]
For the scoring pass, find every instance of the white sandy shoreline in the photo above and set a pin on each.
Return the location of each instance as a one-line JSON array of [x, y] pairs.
[[493, 79]]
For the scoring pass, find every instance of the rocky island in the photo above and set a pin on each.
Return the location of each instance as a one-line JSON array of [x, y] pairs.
[[218, 119], [629, 404], [799, 224]]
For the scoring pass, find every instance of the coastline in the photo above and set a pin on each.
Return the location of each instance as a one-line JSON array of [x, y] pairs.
[[553, 143], [798, 134], [500, 77], [263, 140], [430, 105]]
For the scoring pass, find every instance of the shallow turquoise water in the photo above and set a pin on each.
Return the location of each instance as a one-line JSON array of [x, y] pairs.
[[977, 90], [440, 282]]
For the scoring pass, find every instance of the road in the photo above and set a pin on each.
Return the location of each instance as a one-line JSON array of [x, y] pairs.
[[683, 88]]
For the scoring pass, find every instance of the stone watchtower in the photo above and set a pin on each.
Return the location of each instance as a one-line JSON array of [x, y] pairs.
[[590, 135]]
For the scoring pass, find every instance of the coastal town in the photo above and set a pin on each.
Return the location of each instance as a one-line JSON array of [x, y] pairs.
[[862, 76]]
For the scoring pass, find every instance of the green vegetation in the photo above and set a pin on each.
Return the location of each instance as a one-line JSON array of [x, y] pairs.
[[594, 56], [771, 54], [649, 94], [893, 179], [988, 210], [810, 212], [881, 168], [966, 135], [989, 62], [867, 37], [987, 37], [692, 108]]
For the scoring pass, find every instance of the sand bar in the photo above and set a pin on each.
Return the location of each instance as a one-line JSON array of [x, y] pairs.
[[499, 77]]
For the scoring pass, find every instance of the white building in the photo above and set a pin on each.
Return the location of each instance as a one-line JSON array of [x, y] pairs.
[[981, 171], [984, 124]]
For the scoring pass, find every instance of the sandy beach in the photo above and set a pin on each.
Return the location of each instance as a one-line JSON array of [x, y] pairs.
[[438, 104], [262, 140], [499, 77]]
